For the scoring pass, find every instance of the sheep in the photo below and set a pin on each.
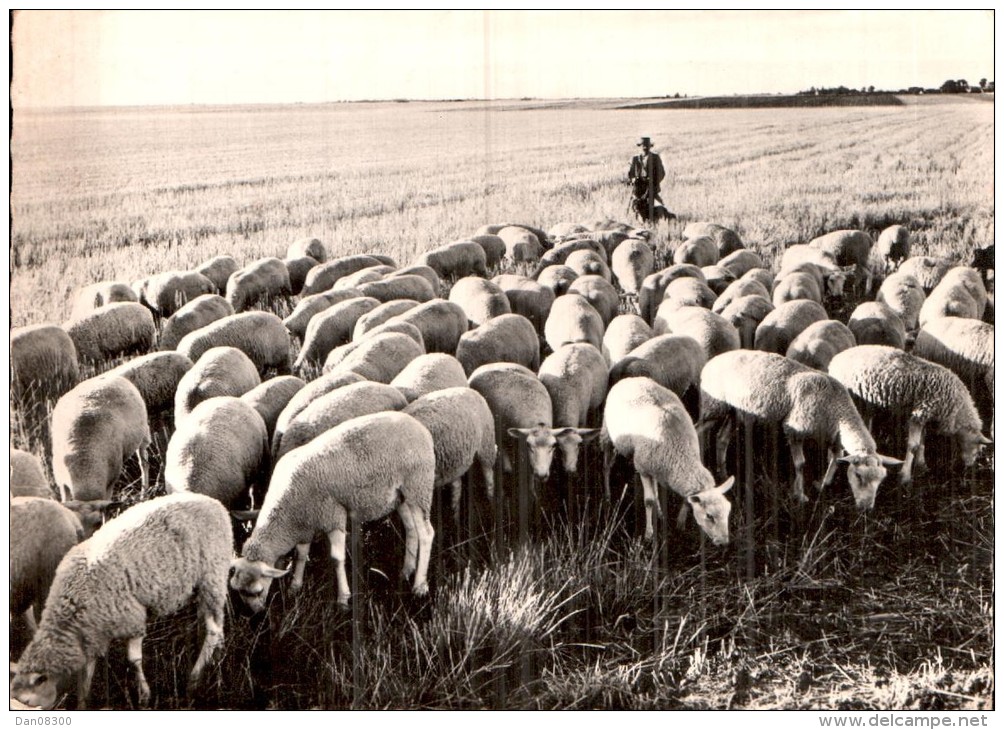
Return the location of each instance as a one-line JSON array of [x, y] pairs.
[[166, 293], [378, 358], [700, 251], [903, 294], [401, 286], [218, 270], [631, 262], [611, 238], [558, 255], [713, 333], [874, 323], [508, 338], [43, 362], [151, 559], [819, 342], [378, 316], [383, 259], [364, 276], [494, 228], [685, 292], [494, 248], [718, 278], [425, 272], [653, 288], [781, 326], [849, 248], [220, 371], [307, 395], [964, 346], [480, 299], [156, 377], [429, 373], [323, 277], [259, 282], [92, 296], [727, 241], [405, 328], [672, 361], [520, 244], [195, 315], [312, 304], [463, 431], [765, 278], [366, 467], [948, 301], [739, 262], [600, 293], [575, 376], [573, 319], [330, 328], [312, 247], [886, 379], [557, 278], [647, 423], [588, 263], [260, 335], [271, 397], [926, 269], [821, 264], [42, 531], [441, 323], [624, 333], [122, 328], [737, 289], [745, 314], [983, 261], [774, 389], [95, 426], [894, 246], [456, 260], [970, 280], [298, 268], [527, 297], [567, 228], [27, 476], [794, 287]]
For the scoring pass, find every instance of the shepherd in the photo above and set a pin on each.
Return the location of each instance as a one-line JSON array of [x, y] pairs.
[[645, 176]]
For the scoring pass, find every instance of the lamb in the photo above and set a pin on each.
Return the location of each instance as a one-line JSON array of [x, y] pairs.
[[378, 358], [508, 338], [260, 335], [557, 278], [425, 272], [323, 277], [366, 467], [384, 313], [494, 248], [218, 270], [952, 300], [819, 342], [527, 297], [718, 278], [151, 559], [647, 423], [116, 329], [685, 292], [727, 240], [780, 328], [573, 319], [43, 362], [259, 282], [166, 293], [700, 251], [521, 245], [401, 286], [653, 288], [92, 296], [463, 431], [672, 361], [575, 377], [456, 260], [588, 263], [27, 476], [874, 323], [220, 371], [964, 346], [625, 332], [307, 395], [849, 248], [600, 293], [745, 314], [480, 299], [298, 268], [312, 247], [429, 373], [926, 269], [271, 397], [894, 246], [195, 315], [886, 379], [903, 294], [794, 287], [737, 289], [808, 404], [313, 304], [441, 323], [330, 328], [156, 377], [95, 427], [713, 333], [739, 262]]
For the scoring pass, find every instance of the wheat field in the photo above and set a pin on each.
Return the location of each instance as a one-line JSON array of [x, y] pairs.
[[822, 609]]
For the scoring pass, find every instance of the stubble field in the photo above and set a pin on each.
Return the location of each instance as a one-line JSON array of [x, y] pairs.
[[814, 607]]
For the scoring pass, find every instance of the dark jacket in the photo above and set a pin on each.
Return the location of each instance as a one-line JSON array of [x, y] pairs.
[[658, 172]]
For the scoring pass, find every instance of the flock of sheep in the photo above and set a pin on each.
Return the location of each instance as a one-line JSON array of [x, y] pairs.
[[414, 390]]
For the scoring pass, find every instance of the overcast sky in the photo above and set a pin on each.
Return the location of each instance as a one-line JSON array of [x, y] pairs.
[[181, 57]]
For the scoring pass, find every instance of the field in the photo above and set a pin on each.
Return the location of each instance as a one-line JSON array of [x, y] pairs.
[[807, 608]]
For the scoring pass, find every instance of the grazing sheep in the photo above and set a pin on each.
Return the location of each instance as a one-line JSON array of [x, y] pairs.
[[366, 467], [220, 371], [271, 397], [220, 450], [575, 376], [567, 228], [298, 268], [380, 315], [43, 362], [685, 292], [647, 423], [611, 238], [874, 323], [156, 377], [520, 244], [718, 278], [672, 361], [926, 269], [600, 293], [260, 335], [948, 301], [794, 287], [123, 328], [463, 431], [378, 358], [894, 246], [312, 247], [456, 260], [764, 277], [653, 288], [429, 373], [400, 286], [330, 328], [573, 319], [384, 260], [323, 277], [886, 379], [364, 276], [151, 559], [970, 280], [27, 476], [903, 294], [92, 296], [558, 255], [587, 262], [808, 404], [95, 427], [42, 531], [713, 333], [259, 282], [780, 328], [820, 264], [527, 297], [727, 240], [480, 299], [494, 248], [307, 395], [700, 251], [737, 289], [624, 333], [312, 304], [508, 338], [557, 278], [849, 248], [745, 314], [195, 315], [739, 262], [405, 328], [218, 270], [819, 342], [166, 293], [983, 261], [425, 272], [441, 323], [964, 346]]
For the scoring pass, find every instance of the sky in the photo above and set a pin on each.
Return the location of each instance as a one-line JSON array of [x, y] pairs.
[[91, 58]]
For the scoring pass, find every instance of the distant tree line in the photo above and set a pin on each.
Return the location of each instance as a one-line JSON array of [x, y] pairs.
[[951, 86]]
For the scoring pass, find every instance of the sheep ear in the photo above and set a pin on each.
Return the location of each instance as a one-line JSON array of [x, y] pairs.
[[889, 461], [726, 485], [270, 572], [560, 432], [244, 515], [588, 434], [517, 432], [984, 440]]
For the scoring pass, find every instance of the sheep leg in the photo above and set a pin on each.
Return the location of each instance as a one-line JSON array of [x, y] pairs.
[[426, 533], [213, 616], [29, 618], [914, 439], [488, 470], [144, 465], [337, 538], [506, 461], [455, 489], [84, 677], [831, 469], [681, 516], [299, 565], [650, 488], [798, 459], [410, 540], [722, 442], [134, 653], [608, 462]]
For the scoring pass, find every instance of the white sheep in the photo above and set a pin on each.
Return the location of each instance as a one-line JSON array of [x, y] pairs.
[[167, 292], [43, 362], [821, 264], [456, 260], [713, 333], [653, 288], [27, 476], [527, 297], [220, 450], [904, 295], [685, 292], [589, 263], [297, 270], [893, 246], [624, 333], [970, 280], [521, 245], [381, 315], [794, 286], [648, 424], [405, 328], [573, 319], [260, 335], [819, 342], [494, 248], [718, 278], [560, 253], [330, 328], [323, 277], [727, 240], [849, 248], [218, 269], [480, 299], [763, 276], [600, 293], [557, 278], [964, 346], [88, 298], [271, 397], [366, 467], [429, 373], [156, 377], [195, 315], [151, 559], [874, 323], [672, 361], [781, 326], [506, 338], [401, 286], [95, 427], [425, 272], [737, 289], [739, 262], [305, 396], [699, 251], [363, 276], [927, 270], [774, 389], [378, 357], [949, 300], [220, 371], [575, 376], [308, 246], [298, 320], [259, 282], [441, 323], [886, 379], [112, 330], [745, 314]]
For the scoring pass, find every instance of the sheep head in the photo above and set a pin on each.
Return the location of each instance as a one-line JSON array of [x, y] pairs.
[[252, 579], [865, 473], [570, 439], [541, 441], [711, 511]]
